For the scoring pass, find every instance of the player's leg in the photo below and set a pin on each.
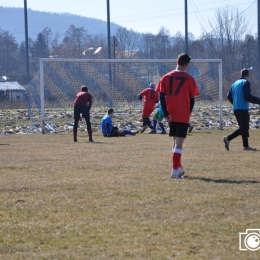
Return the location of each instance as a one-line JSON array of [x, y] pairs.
[[245, 118], [162, 127], [179, 132], [155, 122], [149, 124], [144, 125], [85, 114], [125, 132], [160, 118], [75, 129], [114, 132], [89, 129], [76, 121], [242, 130], [146, 122], [235, 134], [190, 127], [149, 112]]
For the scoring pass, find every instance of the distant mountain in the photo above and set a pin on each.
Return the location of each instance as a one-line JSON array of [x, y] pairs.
[[12, 20]]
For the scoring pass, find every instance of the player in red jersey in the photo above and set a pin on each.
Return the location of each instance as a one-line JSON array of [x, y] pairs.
[[180, 89], [150, 98], [82, 105]]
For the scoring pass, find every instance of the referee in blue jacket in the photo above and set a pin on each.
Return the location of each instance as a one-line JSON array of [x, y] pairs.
[[240, 96]]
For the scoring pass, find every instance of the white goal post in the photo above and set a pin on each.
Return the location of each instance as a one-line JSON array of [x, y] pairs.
[[118, 81]]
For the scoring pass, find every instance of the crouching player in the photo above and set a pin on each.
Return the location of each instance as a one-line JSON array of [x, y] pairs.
[[158, 117], [107, 128], [82, 105]]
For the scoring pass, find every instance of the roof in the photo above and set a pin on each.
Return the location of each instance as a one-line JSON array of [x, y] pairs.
[[10, 86]]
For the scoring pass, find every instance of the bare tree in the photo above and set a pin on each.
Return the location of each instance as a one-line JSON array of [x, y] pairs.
[[162, 43], [47, 34], [147, 45], [178, 44], [76, 38], [128, 41], [228, 29]]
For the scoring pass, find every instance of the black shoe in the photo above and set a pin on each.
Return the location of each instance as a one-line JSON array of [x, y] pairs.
[[226, 142], [190, 128]]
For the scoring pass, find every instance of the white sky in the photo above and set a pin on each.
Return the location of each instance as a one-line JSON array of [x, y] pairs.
[[139, 15]]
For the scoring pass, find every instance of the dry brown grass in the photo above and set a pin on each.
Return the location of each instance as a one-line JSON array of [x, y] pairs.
[[114, 199]]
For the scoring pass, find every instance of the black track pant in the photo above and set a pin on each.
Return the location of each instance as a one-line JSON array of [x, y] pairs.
[[242, 117]]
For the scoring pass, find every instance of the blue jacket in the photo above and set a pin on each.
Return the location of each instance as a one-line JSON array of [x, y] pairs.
[[106, 125], [240, 95]]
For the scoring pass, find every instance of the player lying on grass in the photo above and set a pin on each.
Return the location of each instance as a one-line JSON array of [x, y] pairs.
[[82, 105], [180, 89], [150, 98], [107, 128], [158, 117]]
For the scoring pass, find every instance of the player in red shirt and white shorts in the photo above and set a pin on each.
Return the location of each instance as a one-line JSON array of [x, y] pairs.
[[150, 98], [177, 91]]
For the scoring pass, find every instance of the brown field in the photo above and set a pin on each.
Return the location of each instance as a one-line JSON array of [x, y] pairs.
[[114, 199]]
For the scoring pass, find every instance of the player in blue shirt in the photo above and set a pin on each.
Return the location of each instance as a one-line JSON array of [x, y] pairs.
[[107, 128], [240, 96]]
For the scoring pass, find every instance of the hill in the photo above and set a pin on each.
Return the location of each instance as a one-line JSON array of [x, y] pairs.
[[12, 20]]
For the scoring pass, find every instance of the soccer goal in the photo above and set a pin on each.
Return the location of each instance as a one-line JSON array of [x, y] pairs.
[[117, 82]]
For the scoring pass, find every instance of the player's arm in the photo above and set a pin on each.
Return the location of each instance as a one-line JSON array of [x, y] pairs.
[[107, 126], [89, 102], [247, 94], [142, 94], [164, 107], [229, 96], [192, 102]]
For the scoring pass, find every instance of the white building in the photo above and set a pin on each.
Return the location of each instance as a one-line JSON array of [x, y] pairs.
[[11, 91]]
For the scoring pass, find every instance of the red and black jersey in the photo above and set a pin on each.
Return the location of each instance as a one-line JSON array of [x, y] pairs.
[[150, 97], [83, 98], [179, 87]]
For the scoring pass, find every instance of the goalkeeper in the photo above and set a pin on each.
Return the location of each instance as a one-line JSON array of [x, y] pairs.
[[107, 128], [82, 105]]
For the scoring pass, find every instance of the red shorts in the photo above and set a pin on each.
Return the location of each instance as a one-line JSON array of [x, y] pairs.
[[147, 111]]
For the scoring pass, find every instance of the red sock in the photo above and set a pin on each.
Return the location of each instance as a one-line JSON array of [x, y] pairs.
[[90, 135], [176, 158]]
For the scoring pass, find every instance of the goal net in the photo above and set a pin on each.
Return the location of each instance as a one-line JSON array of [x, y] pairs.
[[116, 83]]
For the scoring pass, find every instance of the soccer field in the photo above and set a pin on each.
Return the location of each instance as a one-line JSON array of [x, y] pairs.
[[114, 199]]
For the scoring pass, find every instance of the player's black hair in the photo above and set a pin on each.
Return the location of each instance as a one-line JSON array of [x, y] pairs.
[[183, 59], [244, 72], [84, 88], [110, 111]]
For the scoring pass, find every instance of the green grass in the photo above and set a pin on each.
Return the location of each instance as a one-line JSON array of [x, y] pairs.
[[114, 199]]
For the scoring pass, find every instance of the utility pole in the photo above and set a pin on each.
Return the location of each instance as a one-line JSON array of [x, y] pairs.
[[108, 30], [258, 33], [186, 28], [109, 55], [26, 41]]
